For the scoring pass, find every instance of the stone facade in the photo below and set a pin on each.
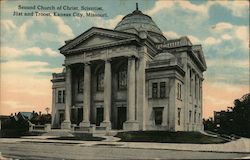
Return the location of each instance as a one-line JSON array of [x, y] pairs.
[[129, 78]]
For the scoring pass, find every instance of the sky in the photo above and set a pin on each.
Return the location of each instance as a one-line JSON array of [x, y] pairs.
[[29, 45]]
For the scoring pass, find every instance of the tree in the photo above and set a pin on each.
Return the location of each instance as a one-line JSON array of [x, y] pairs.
[[241, 116]]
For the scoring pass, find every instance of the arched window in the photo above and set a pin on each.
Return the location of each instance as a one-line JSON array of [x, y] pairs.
[[100, 80], [122, 78]]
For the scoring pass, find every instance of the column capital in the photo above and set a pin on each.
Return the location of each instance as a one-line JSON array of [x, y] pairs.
[[87, 63], [131, 57], [107, 60], [68, 66]]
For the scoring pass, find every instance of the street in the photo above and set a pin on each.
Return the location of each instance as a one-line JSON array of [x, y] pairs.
[[61, 150]]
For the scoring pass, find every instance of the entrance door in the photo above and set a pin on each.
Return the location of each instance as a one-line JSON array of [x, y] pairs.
[[61, 117], [121, 117], [79, 115], [99, 116]]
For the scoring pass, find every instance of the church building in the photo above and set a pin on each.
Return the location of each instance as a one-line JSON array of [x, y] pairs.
[[129, 78]]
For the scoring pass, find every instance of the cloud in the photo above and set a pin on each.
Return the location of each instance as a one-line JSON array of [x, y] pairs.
[[159, 6], [62, 27], [238, 8], [110, 23], [50, 52], [202, 9], [34, 51], [212, 41], [237, 32], [194, 39], [242, 33], [8, 24], [23, 29], [184, 5], [27, 67], [49, 37], [22, 86], [10, 53], [171, 35], [226, 37], [222, 26]]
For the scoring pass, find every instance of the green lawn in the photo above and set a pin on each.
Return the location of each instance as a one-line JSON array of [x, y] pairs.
[[168, 137]]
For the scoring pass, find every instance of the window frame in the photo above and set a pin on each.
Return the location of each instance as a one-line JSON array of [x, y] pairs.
[[100, 81], [122, 76], [80, 84], [59, 96], [179, 116], [155, 90], [63, 96], [162, 89], [158, 115]]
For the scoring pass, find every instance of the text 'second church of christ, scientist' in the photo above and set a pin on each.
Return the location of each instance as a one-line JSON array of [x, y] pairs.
[[129, 78]]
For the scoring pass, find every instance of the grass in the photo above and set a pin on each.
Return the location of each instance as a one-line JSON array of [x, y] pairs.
[[168, 137], [80, 137]]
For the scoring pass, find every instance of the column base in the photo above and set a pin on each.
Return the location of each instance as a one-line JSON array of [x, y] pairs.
[[106, 124], [84, 124], [131, 126], [66, 125]]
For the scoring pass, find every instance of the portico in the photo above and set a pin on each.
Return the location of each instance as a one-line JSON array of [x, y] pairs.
[[108, 96]]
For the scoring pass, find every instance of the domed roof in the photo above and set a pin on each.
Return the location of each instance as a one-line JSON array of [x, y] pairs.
[[139, 21], [164, 56]]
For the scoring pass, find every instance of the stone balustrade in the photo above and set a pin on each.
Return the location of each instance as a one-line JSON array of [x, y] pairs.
[[39, 128]]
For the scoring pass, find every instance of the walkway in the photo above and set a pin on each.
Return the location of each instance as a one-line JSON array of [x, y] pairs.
[[241, 145]]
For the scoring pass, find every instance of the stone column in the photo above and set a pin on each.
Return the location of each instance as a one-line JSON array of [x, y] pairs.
[[131, 89], [54, 110], [107, 94], [66, 124], [131, 123], [86, 95]]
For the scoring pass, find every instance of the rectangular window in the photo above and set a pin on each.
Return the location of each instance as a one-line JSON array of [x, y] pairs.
[[179, 116], [162, 89], [155, 90], [194, 116], [63, 97], [158, 115], [195, 87], [190, 116], [200, 89], [59, 97], [190, 82], [178, 91]]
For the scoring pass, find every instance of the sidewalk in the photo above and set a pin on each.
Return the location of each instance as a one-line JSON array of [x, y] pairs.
[[241, 145]]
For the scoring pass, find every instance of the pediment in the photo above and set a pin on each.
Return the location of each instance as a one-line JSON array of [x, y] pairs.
[[95, 37], [95, 40]]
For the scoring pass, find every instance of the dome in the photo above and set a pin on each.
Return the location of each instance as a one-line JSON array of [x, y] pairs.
[[164, 56], [141, 22]]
